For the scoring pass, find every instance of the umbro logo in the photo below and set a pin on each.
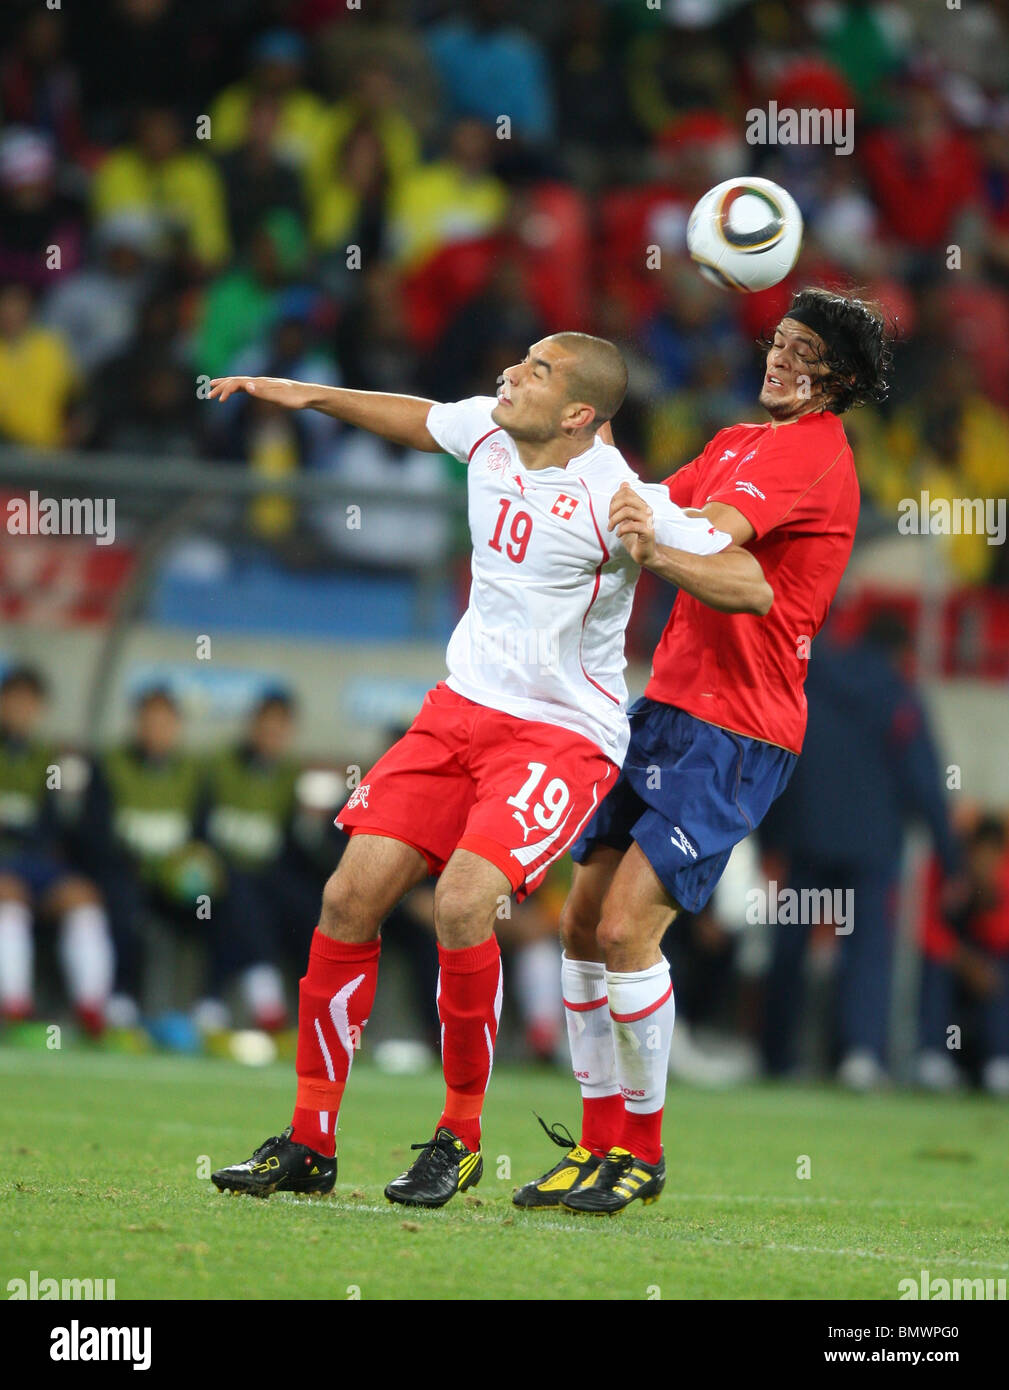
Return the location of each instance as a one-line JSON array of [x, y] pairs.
[[752, 489]]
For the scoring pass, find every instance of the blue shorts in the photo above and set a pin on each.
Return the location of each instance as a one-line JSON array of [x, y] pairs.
[[37, 870], [687, 793]]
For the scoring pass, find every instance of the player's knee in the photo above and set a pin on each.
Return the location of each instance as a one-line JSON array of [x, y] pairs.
[[579, 920], [13, 889], [346, 912], [75, 892], [462, 916], [615, 932]]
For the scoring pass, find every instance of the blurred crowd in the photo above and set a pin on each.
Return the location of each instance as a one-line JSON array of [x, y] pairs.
[[402, 196], [116, 865]]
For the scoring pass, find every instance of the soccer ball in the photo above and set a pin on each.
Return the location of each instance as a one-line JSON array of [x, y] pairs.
[[745, 234]]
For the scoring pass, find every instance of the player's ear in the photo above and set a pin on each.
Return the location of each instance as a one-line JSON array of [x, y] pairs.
[[580, 416]]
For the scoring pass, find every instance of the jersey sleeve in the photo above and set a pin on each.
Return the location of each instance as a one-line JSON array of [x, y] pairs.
[[672, 525], [460, 425], [781, 483]]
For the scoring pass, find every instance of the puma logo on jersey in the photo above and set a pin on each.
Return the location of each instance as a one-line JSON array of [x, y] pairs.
[[360, 797], [526, 829], [729, 454], [521, 484], [682, 843], [564, 506], [752, 490]]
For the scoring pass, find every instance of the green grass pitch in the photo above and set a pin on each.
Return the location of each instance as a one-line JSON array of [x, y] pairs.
[[101, 1155]]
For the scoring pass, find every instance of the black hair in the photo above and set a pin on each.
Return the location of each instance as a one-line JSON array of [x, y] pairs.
[[275, 697], [857, 338], [29, 676], [990, 830], [155, 694]]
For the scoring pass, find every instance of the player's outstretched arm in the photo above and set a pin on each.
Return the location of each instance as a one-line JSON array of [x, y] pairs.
[[730, 580], [400, 419]]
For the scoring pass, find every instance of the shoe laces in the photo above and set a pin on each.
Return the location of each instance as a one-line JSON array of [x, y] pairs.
[[614, 1166], [560, 1134], [440, 1147]]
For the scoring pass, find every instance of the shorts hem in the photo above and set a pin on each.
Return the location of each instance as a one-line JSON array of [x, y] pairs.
[[434, 863], [496, 854]]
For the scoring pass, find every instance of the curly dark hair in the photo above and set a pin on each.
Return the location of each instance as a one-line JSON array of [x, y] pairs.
[[858, 340]]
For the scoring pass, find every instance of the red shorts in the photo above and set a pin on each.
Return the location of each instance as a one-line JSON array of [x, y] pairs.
[[515, 791]]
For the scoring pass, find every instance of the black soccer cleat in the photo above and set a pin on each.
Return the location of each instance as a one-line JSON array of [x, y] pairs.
[[443, 1167], [545, 1193], [619, 1180], [279, 1165]]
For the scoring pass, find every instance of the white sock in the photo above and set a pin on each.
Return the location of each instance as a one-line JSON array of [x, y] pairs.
[[86, 955], [643, 1011], [590, 1034], [17, 955], [537, 983], [263, 992]]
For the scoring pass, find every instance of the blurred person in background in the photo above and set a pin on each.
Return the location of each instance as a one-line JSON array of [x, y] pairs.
[[98, 309], [374, 104], [39, 87], [41, 227], [275, 72], [488, 65], [37, 884], [160, 174], [964, 986], [256, 177], [119, 398], [139, 831], [453, 200], [242, 301], [869, 767], [248, 818], [40, 386], [924, 177], [351, 209]]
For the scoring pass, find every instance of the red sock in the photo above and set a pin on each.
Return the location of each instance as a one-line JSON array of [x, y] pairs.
[[469, 1006], [335, 999], [642, 1135], [602, 1123]]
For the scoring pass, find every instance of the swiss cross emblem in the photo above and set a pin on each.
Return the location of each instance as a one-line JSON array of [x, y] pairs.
[[497, 458], [564, 506]]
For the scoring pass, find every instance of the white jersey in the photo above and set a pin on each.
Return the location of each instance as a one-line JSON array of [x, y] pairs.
[[543, 635]]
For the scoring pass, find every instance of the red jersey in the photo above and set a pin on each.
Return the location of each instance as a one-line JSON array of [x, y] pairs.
[[796, 485]]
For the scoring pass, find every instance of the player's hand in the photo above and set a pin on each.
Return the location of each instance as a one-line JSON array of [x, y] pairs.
[[977, 972], [632, 519], [275, 390]]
